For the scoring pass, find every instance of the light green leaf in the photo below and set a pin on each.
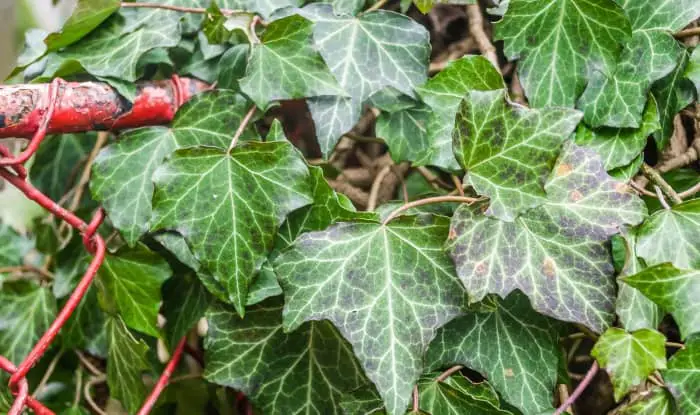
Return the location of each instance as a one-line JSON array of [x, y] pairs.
[[13, 246], [656, 401], [627, 172], [513, 346], [509, 150], [333, 117], [457, 396], [185, 300], [87, 15], [406, 133], [306, 370], [387, 288], [692, 71], [630, 357], [55, 164], [346, 6], [560, 43], [444, 92], [34, 48], [672, 236], [675, 290], [619, 146], [121, 175], [673, 93], [557, 254], [229, 204], [670, 16], [130, 281], [286, 65], [683, 377], [126, 360], [23, 320], [426, 5]]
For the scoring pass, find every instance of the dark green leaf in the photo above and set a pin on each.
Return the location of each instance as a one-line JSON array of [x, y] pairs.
[[13, 246], [672, 236], [406, 133], [673, 93], [85, 324], [232, 67], [692, 71], [185, 300], [23, 320], [656, 401], [333, 117], [57, 165], [457, 396], [125, 363], [87, 15], [683, 378]]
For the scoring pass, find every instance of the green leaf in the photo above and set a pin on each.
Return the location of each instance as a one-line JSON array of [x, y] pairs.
[[85, 324], [24, 318], [387, 288], [560, 43], [630, 357], [363, 401], [122, 173], [333, 117], [34, 48], [346, 6], [670, 16], [426, 5], [87, 15], [683, 377], [306, 370], [126, 361], [620, 146], [286, 65], [673, 93], [635, 311], [674, 290], [508, 151], [444, 92], [229, 204], [218, 28], [692, 71], [185, 300], [557, 253], [57, 163], [672, 236], [13, 246], [457, 396], [131, 281], [656, 401], [406, 133], [232, 67], [513, 346]]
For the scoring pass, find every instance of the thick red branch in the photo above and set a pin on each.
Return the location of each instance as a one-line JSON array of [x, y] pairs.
[[88, 106]]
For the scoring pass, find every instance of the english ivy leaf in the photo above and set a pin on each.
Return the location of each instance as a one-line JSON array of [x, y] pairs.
[[674, 290], [456, 396], [386, 288], [660, 14], [306, 370], [131, 281], [346, 6], [672, 236], [126, 360], [619, 146], [444, 92], [232, 67], [406, 133], [673, 93], [365, 400], [627, 172], [185, 300], [692, 71], [13, 246], [426, 5], [656, 401], [560, 43], [229, 204], [85, 324], [630, 357], [24, 317], [34, 48], [390, 100], [635, 311], [333, 117], [218, 29], [557, 253], [683, 377], [121, 175], [513, 346], [87, 15], [57, 163], [508, 151], [286, 65]]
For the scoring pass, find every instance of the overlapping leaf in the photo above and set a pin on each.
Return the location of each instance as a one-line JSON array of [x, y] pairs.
[[24, 318], [13, 246], [126, 361], [185, 300], [656, 401], [513, 346], [406, 133], [307, 370], [122, 172], [692, 72], [556, 253], [56, 161], [672, 236], [630, 357], [87, 15], [560, 43], [683, 377], [456, 395], [673, 93], [508, 151], [386, 287]]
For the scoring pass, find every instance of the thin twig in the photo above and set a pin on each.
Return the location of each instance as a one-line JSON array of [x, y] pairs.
[[579, 389], [458, 185], [376, 185], [242, 127], [195, 10], [404, 188], [661, 198], [676, 345], [449, 372], [27, 269], [693, 31], [376, 6], [564, 395], [47, 375], [86, 362], [655, 381], [429, 201], [642, 190], [78, 386], [476, 29], [432, 178], [416, 399], [656, 178], [690, 192], [95, 380]]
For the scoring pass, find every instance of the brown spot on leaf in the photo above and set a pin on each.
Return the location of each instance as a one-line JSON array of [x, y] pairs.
[[508, 372], [452, 235], [549, 267], [622, 188], [563, 169], [575, 196], [481, 269]]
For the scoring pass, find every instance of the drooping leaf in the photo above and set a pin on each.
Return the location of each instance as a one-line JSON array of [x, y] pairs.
[[683, 377], [673, 93], [457, 395], [672, 236], [444, 92], [131, 281], [229, 204], [508, 151], [619, 146], [513, 346], [333, 117], [656, 401], [123, 171], [630, 357], [557, 253], [185, 300], [87, 15], [57, 164], [560, 43], [305, 370], [126, 361], [675, 290], [386, 288], [406, 133], [24, 318], [286, 65]]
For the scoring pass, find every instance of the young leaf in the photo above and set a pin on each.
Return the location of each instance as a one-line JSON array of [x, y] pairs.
[[556, 253], [126, 361], [229, 204], [672, 236], [508, 151], [456, 396], [131, 281], [683, 377], [560, 43], [306, 370], [656, 401], [386, 287], [122, 171], [87, 15], [513, 346], [23, 319], [674, 290], [630, 357]]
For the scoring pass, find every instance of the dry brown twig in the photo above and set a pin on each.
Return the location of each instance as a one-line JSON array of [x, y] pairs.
[[476, 29]]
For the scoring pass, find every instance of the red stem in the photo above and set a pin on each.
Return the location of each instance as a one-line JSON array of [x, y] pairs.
[[164, 378], [579, 389]]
